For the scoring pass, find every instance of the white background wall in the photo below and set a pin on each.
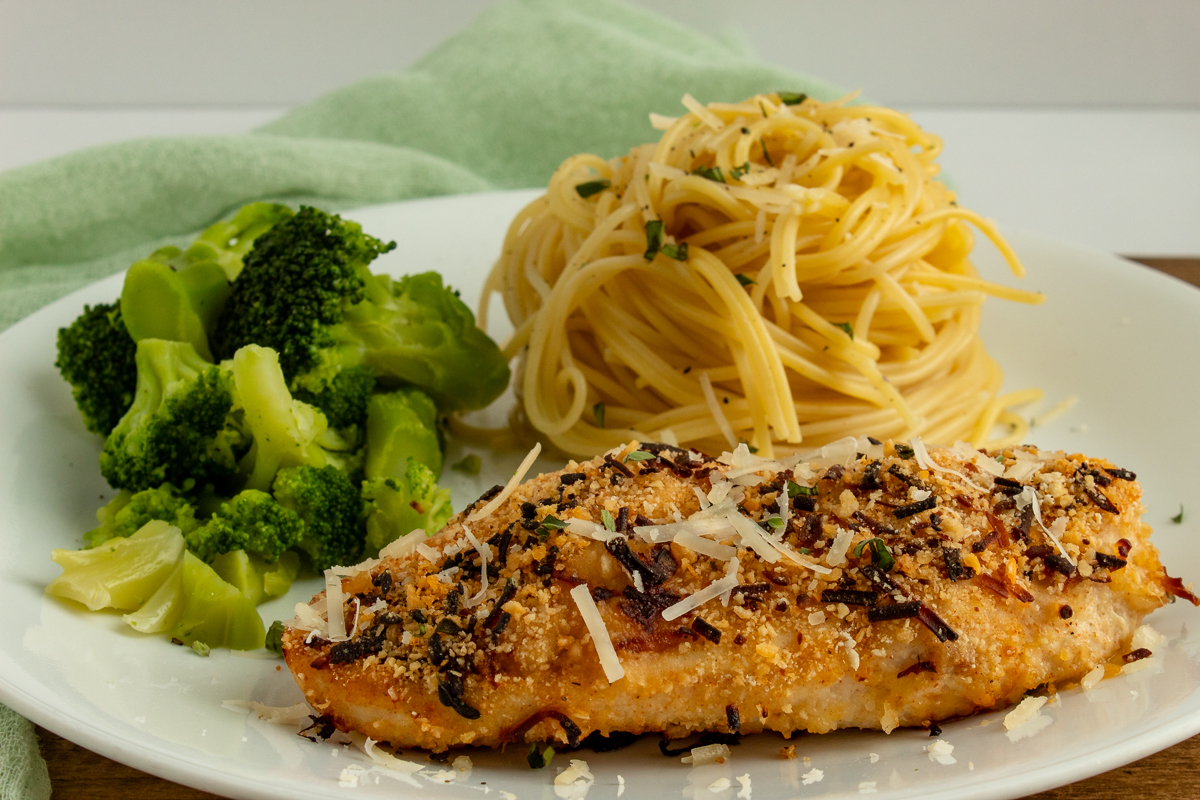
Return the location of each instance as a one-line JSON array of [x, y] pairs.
[[1075, 118]]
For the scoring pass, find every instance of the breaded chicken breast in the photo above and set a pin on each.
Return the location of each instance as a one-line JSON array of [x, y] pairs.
[[660, 590]]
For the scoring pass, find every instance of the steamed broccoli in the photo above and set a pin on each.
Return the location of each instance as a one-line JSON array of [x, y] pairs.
[[255, 577], [418, 331], [252, 521], [178, 294], [396, 506], [176, 431], [332, 509], [401, 425], [96, 356], [126, 513]]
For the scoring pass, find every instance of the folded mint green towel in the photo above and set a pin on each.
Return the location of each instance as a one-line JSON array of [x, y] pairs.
[[500, 105]]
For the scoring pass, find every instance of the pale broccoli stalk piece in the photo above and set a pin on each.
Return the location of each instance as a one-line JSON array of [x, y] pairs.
[[121, 573], [256, 578], [178, 295], [402, 425], [177, 429], [285, 431], [397, 506], [126, 513]]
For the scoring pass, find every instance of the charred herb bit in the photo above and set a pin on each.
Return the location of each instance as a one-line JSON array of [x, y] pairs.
[[616, 740], [879, 578], [644, 607], [571, 477], [745, 280], [881, 555], [1065, 611], [1008, 486], [618, 466], [321, 728], [450, 693], [1120, 474], [546, 565], [448, 627], [1100, 499], [993, 585], [936, 624], [851, 597], [985, 542], [870, 481], [1136, 655], [711, 737], [935, 729], [792, 98], [622, 523], [710, 632], [915, 508], [383, 581], [590, 188], [904, 451], [619, 548], [528, 511], [953, 560], [1110, 562], [1024, 523], [902, 476], [732, 718], [510, 591], [437, 653], [598, 414], [418, 616], [920, 666], [1059, 564], [483, 498], [886, 613], [712, 173], [654, 238], [539, 759]]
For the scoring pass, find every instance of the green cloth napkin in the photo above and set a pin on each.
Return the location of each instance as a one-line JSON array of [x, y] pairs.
[[498, 106]]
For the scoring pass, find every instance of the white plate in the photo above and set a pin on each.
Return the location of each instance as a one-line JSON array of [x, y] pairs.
[[1123, 339]]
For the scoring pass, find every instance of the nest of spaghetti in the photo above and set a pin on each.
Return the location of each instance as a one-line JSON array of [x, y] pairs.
[[782, 272]]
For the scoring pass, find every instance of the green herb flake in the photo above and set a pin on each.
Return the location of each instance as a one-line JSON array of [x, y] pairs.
[[904, 451], [598, 413], [553, 523], [679, 252], [795, 489], [593, 187], [539, 760], [470, 464], [881, 555], [738, 172], [638, 455], [654, 237], [792, 98], [421, 628], [766, 155], [712, 173], [845, 326], [274, 642], [608, 521], [745, 280], [749, 446], [1178, 518], [201, 648], [775, 522]]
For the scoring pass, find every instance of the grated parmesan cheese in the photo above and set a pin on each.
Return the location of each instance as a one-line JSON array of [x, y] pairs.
[[485, 554], [405, 544], [752, 537], [710, 592], [509, 488], [599, 631], [1028, 497], [814, 775], [708, 754], [1093, 677], [335, 603], [660, 122], [940, 752], [839, 547], [430, 554], [731, 571], [924, 461], [744, 780], [721, 552], [1029, 708]]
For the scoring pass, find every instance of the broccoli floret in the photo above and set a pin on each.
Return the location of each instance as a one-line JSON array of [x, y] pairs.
[[176, 431], [332, 509], [297, 282], [126, 513], [402, 425], [418, 331], [396, 506], [178, 294], [344, 398], [252, 521], [96, 356]]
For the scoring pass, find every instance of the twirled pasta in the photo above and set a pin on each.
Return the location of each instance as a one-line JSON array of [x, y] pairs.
[[780, 271]]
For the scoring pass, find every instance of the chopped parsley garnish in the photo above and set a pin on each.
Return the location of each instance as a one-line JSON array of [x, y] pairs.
[[274, 642], [1178, 518], [766, 155], [712, 173], [744, 279], [593, 187], [598, 413], [775, 522], [749, 446], [539, 760], [738, 172], [795, 489], [608, 520], [421, 628], [679, 252], [552, 523], [792, 98], [904, 451], [654, 236], [881, 556], [638, 455], [846, 327], [469, 464]]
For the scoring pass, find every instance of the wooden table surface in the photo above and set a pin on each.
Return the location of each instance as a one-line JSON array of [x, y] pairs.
[[1173, 774]]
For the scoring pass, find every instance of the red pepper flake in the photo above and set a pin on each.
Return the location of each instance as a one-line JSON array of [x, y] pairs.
[[1123, 547], [964, 501], [1175, 586], [991, 584], [999, 528], [983, 543]]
